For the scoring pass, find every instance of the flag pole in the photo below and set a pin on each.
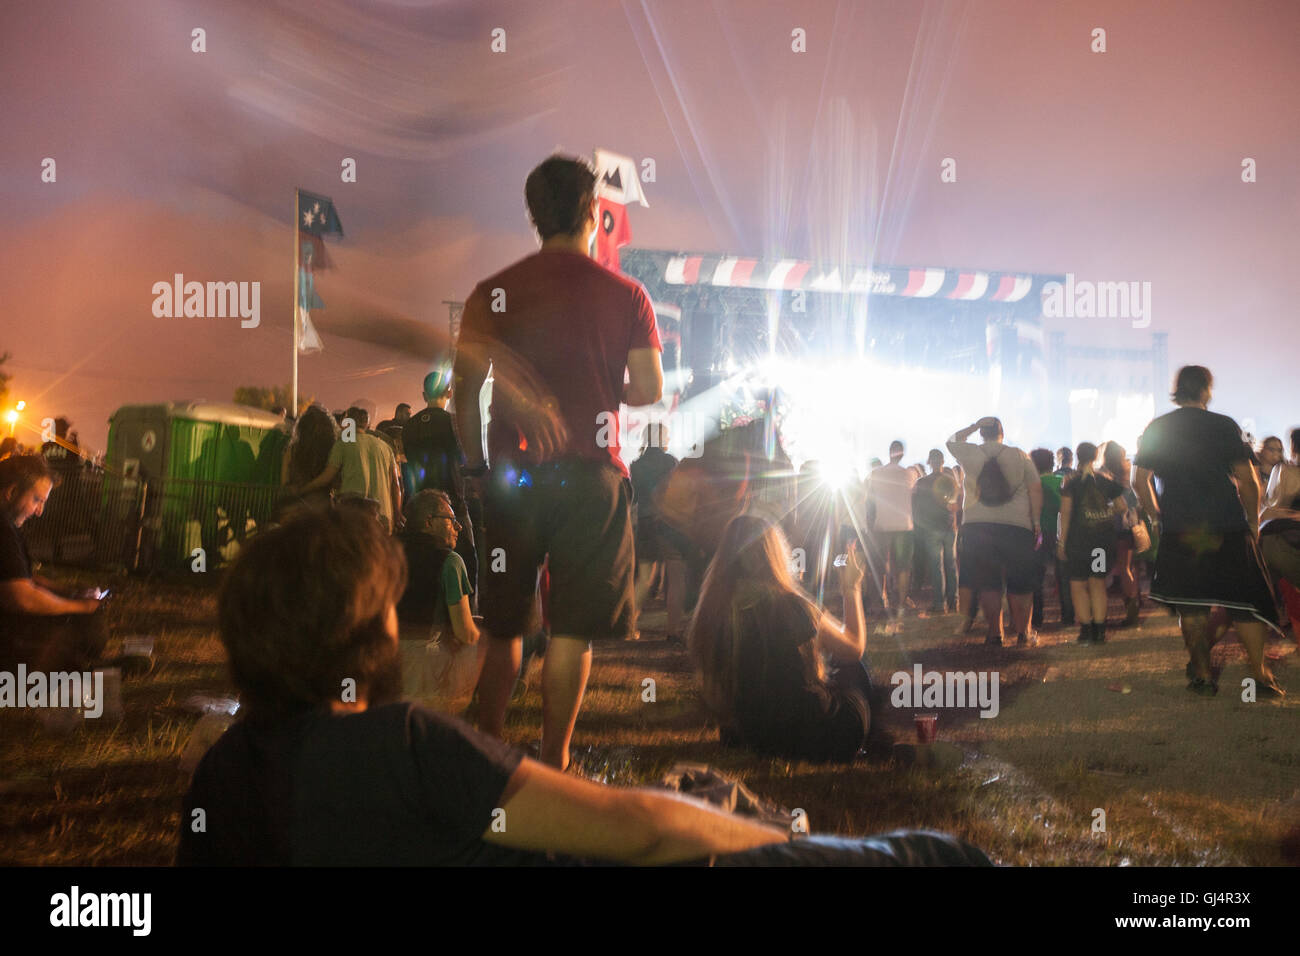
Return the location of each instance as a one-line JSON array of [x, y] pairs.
[[297, 252]]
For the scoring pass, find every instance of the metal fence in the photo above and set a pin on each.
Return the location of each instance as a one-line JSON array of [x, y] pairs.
[[94, 519]]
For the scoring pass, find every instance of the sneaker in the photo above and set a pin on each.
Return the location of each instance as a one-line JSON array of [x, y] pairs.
[[1099, 632], [993, 640], [1085, 636], [1203, 688], [1027, 639]]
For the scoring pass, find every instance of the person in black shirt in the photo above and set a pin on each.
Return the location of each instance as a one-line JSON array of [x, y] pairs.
[[38, 626], [1208, 510], [434, 459], [1089, 503], [325, 767], [759, 644]]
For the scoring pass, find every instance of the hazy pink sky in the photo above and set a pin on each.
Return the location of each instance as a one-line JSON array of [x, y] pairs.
[[1117, 166]]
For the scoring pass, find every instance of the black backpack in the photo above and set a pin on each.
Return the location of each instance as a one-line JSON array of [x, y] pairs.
[[992, 484]]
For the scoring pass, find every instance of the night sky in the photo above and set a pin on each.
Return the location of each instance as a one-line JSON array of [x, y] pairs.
[[1123, 165]]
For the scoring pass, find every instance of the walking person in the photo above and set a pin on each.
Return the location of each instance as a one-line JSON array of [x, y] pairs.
[[561, 333], [1209, 512]]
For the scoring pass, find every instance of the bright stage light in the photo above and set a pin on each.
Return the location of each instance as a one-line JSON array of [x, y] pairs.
[[11, 416], [836, 475]]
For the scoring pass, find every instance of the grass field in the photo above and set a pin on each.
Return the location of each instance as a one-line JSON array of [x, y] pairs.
[[1182, 780]]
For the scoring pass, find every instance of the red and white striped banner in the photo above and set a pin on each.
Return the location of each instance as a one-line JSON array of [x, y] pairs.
[[737, 272]]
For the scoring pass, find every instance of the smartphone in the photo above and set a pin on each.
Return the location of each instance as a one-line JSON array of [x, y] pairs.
[[841, 560], [103, 595]]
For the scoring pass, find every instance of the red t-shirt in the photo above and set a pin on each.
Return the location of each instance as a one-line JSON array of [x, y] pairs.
[[571, 322]]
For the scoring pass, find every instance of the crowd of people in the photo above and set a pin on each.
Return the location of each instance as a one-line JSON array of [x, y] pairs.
[[407, 553]]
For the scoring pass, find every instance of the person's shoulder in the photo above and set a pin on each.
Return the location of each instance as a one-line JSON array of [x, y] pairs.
[[455, 564]]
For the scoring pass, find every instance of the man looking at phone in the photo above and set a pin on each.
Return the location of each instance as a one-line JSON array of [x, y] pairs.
[[38, 626]]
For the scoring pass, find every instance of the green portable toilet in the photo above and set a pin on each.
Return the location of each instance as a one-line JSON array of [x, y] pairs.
[[210, 468]]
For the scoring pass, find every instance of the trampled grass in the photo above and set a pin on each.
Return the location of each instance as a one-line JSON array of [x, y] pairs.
[[1182, 780]]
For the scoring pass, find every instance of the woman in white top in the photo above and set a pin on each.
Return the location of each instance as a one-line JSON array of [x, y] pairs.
[[1279, 530]]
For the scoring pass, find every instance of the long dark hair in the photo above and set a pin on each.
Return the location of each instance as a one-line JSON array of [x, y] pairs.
[[751, 566], [309, 451]]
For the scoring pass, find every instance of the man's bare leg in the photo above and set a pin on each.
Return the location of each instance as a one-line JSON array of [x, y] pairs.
[[1253, 635], [497, 681], [1022, 609], [1195, 627], [991, 605], [564, 679]]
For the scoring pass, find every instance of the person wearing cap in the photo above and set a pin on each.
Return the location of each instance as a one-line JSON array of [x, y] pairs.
[[434, 460]]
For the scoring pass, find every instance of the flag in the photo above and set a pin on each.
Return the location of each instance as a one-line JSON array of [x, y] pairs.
[[617, 179], [308, 340], [317, 218], [612, 232], [316, 215]]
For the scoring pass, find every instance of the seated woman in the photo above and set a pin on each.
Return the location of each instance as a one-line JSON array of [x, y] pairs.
[[440, 659], [325, 768], [761, 646]]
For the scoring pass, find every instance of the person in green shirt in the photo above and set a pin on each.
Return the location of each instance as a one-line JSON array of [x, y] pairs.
[[1043, 461]]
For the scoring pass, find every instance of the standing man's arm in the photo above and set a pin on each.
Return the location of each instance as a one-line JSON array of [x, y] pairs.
[[468, 375], [645, 384]]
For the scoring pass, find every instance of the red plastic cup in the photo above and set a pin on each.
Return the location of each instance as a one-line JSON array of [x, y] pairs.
[[927, 726]]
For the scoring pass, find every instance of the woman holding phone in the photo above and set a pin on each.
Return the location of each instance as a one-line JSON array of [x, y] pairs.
[[781, 676]]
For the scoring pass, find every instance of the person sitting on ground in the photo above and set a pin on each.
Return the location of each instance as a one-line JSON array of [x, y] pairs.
[[437, 595], [1279, 530], [439, 639], [759, 643], [324, 767], [1089, 503], [38, 626]]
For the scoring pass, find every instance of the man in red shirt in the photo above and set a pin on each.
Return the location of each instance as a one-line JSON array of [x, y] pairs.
[[569, 341]]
